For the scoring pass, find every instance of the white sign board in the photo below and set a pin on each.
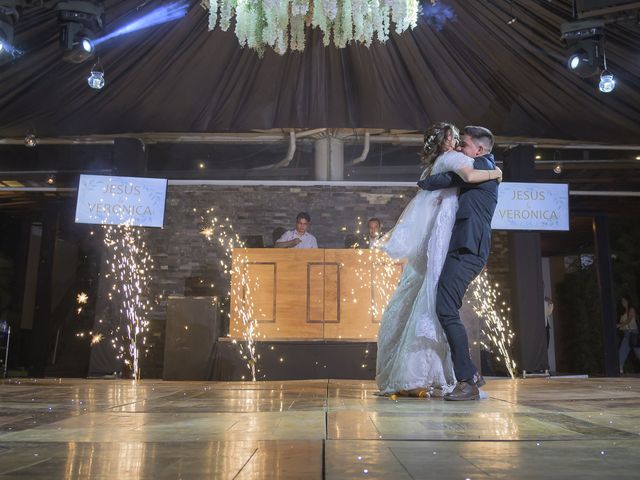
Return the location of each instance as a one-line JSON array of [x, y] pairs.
[[113, 200], [532, 206]]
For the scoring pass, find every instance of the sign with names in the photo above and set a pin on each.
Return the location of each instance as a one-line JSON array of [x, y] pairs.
[[110, 200], [532, 206]]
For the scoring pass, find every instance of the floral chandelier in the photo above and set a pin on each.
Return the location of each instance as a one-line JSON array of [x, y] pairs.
[[280, 24]]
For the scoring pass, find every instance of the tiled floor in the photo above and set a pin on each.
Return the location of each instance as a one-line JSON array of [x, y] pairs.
[[534, 428]]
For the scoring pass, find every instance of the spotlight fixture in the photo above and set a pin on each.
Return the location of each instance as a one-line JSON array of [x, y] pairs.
[[6, 38], [79, 22], [584, 41], [8, 18], [637, 157], [201, 165], [51, 179], [538, 157], [583, 59], [30, 140], [557, 169], [96, 78], [512, 20]]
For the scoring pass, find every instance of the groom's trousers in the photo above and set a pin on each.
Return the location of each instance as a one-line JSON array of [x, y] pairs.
[[459, 270]]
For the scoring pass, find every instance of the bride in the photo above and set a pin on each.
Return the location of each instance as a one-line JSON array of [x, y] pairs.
[[413, 353]]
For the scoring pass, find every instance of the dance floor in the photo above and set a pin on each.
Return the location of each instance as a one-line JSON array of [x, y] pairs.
[[533, 428]]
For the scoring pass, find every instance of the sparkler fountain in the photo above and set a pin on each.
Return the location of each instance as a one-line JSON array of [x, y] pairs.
[[130, 266], [496, 330], [222, 236]]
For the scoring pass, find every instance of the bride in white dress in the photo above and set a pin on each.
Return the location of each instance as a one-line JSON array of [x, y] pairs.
[[413, 353]]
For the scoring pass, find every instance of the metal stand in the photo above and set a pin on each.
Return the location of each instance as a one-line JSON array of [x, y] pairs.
[[6, 353]]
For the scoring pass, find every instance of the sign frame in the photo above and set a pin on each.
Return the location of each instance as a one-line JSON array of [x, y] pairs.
[[555, 196], [101, 198]]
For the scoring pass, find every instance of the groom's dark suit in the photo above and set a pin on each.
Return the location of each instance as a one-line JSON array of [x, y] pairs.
[[468, 254]]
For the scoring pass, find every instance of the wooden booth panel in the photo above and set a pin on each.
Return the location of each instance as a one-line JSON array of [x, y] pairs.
[[262, 282], [313, 293], [355, 295], [323, 280], [285, 295]]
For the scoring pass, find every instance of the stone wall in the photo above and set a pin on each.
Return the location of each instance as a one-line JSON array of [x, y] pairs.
[[187, 263]]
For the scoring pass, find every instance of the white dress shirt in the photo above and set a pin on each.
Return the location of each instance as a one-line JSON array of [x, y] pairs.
[[306, 239]]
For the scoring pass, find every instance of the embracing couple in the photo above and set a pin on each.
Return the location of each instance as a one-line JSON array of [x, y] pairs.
[[444, 234]]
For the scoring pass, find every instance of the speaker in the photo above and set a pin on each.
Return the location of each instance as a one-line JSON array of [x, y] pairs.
[[193, 328]]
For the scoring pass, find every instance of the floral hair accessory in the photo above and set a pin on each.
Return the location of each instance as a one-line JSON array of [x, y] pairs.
[[430, 139]]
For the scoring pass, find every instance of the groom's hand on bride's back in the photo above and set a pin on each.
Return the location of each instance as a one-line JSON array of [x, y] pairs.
[[422, 184], [499, 179]]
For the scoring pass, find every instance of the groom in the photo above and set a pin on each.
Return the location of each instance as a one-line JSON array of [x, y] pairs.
[[468, 253]]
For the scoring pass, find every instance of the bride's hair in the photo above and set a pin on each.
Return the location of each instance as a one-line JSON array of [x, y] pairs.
[[434, 139]]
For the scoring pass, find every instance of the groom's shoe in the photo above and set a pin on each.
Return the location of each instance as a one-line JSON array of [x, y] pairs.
[[463, 391]]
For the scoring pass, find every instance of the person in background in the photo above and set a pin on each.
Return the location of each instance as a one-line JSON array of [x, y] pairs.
[[628, 325], [298, 237], [374, 232], [548, 311]]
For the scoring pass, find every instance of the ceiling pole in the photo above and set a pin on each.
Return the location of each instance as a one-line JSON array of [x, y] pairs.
[[329, 158]]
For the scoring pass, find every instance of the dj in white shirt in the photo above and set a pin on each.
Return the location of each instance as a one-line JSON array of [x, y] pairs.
[[299, 237]]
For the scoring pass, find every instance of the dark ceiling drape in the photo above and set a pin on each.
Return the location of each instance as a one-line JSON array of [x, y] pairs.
[[179, 77]]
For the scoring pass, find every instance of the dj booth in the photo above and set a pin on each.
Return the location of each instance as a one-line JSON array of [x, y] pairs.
[[311, 294], [315, 313]]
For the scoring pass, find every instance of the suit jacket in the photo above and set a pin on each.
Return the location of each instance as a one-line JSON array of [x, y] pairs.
[[476, 205]]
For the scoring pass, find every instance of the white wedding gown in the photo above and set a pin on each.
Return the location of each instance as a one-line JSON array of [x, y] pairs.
[[413, 351]]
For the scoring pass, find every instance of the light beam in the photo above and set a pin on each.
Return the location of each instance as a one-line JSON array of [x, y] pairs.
[[164, 14]]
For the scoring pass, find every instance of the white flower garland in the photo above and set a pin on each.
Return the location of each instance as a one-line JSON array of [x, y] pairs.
[[281, 23]]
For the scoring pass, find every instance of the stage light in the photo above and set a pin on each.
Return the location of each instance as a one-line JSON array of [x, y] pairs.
[[8, 51], [557, 169], [538, 157], [5, 45], [87, 45], [607, 82], [576, 59], [30, 140], [96, 78], [80, 21], [8, 18], [51, 179], [584, 42], [584, 58], [637, 157]]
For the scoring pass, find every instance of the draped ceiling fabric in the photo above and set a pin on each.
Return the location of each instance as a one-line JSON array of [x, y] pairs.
[[179, 77]]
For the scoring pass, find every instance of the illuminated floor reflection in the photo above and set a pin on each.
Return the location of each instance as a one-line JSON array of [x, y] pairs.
[[534, 428]]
